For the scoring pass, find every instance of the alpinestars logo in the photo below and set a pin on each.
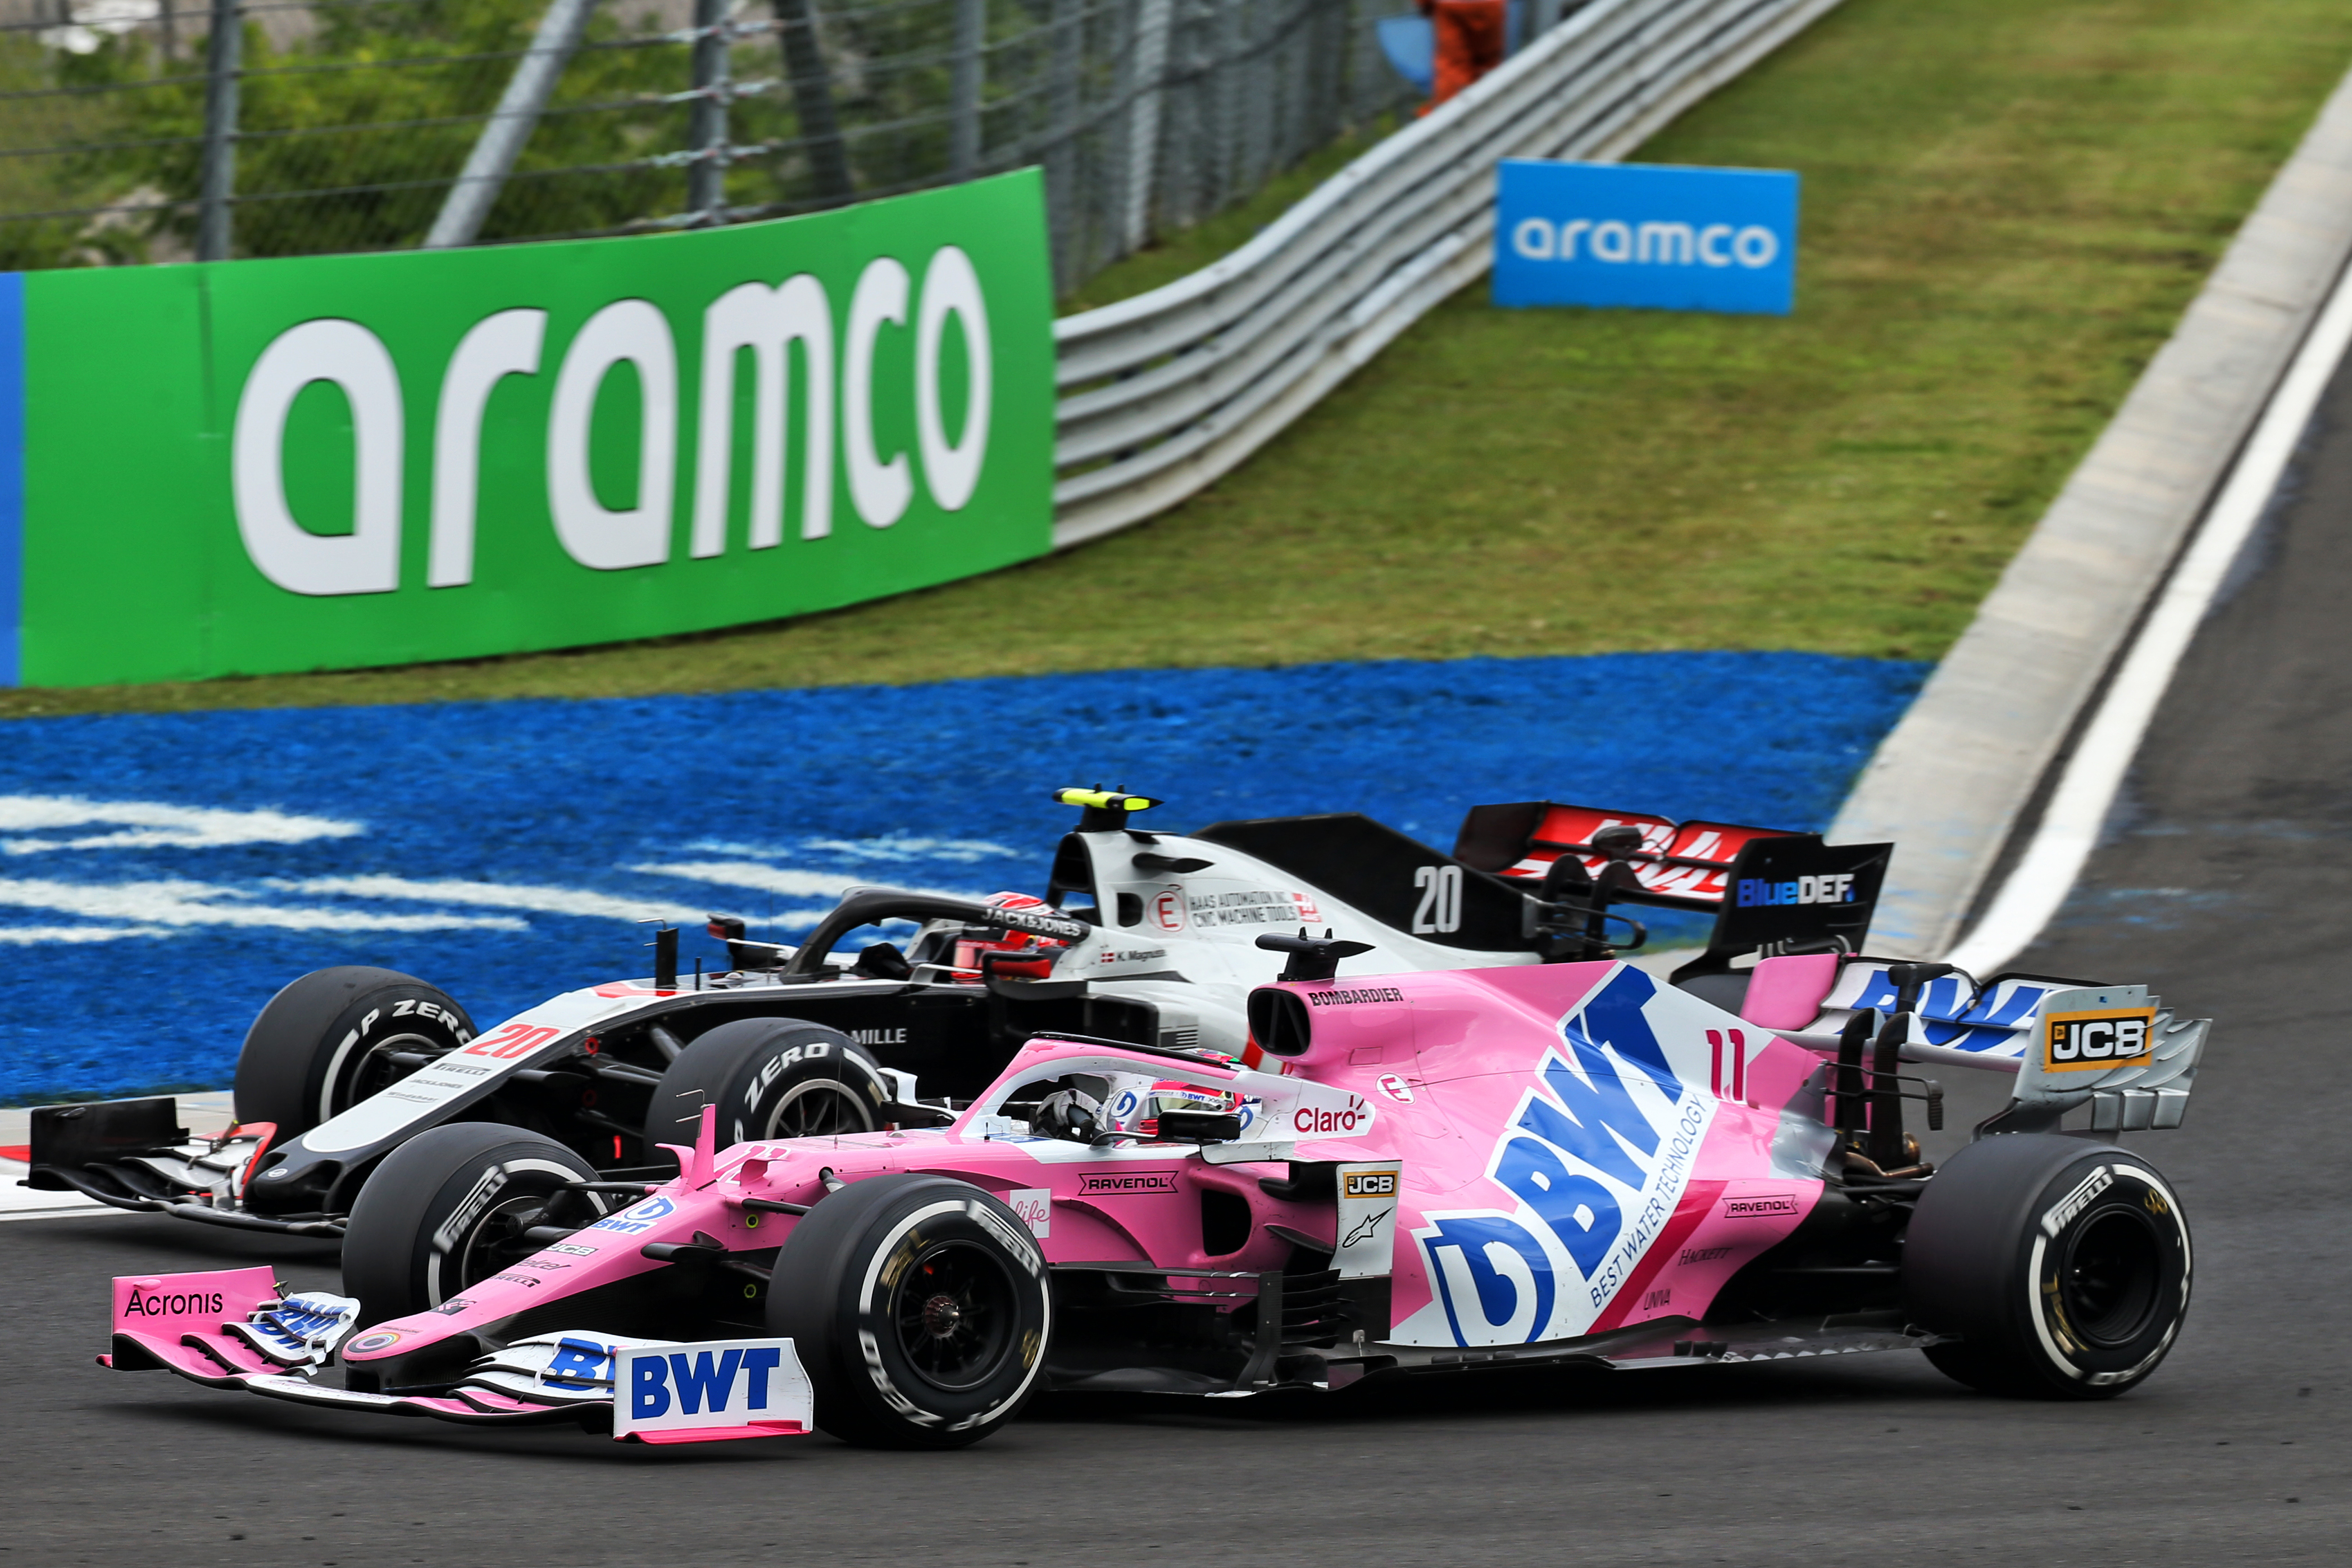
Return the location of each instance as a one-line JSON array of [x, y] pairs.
[[1597, 1156]]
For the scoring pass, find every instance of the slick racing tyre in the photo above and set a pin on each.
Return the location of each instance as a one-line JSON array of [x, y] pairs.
[[449, 1209], [335, 1037], [770, 1077], [2063, 1267], [920, 1308]]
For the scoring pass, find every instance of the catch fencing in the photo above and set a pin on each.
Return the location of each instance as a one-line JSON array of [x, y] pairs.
[[1163, 392], [166, 130], [476, 120]]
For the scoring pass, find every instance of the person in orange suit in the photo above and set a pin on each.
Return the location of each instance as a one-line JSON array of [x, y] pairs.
[[1469, 37]]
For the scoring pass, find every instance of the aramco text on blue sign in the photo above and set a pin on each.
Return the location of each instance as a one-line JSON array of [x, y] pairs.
[[1645, 235]]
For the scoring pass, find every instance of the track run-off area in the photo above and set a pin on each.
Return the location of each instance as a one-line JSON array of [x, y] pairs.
[[2221, 885]]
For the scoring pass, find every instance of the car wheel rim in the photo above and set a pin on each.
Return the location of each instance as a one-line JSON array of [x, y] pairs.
[[817, 1108], [2111, 1278], [374, 1071], [498, 1241], [955, 1310]]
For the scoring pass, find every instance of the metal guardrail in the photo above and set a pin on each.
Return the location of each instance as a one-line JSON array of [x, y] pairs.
[[1165, 393]]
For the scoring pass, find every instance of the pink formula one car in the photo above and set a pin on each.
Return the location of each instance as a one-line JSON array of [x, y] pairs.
[[1411, 1174]]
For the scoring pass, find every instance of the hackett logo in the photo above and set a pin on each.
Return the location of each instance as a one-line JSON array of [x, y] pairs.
[[1127, 1183]]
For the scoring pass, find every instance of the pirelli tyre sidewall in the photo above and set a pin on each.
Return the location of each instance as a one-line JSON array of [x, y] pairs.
[[874, 1285], [2064, 1266], [447, 1209], [325, 1042], [770, 1077]]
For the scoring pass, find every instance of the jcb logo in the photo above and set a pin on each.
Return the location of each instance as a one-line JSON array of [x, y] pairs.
[[1371, 1184], [2092, 1042]]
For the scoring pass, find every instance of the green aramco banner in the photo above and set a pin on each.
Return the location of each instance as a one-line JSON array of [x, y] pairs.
[[337, 461]]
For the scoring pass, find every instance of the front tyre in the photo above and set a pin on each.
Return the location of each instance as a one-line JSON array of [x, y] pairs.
[[920, 1308], [337, 1036], [2063, 1268], [770, 1077], [450, 1208]]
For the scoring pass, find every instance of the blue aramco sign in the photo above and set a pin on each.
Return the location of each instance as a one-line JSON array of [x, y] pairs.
[[1645, 235]]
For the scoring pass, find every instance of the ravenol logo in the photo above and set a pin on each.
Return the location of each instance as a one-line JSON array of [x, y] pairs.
[[1754, 893], [1645, 234]]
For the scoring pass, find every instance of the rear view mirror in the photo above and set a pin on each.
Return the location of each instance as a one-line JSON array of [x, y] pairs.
[[1199, 1127]]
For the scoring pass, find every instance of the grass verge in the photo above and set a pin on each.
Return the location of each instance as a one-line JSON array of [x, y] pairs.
[[2008, 203]]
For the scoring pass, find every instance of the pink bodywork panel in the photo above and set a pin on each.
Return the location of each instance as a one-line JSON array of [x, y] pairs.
[[161, 1313], [1786, 992], [1443, 1070], [1469, 1046]]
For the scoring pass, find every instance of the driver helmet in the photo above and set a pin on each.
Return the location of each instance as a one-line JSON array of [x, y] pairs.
[[969, 950], [1138, 1109]]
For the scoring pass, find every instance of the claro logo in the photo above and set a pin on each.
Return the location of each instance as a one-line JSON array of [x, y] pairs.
[[1647, 244], [199, 1302], [1316, 1119], [837, 415]]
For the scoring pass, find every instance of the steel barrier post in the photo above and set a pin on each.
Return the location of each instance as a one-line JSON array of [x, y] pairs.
[[706, 133], [1063, 221], [963, 88], [224, 60], [470, 200], [812, 100], [1149, 63]]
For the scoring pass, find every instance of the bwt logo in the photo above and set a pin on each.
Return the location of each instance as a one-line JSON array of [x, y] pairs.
[[1647, 244], [699, 1386], [1753, 893]]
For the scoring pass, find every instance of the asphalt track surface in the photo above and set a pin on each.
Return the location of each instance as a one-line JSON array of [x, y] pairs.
[[2224, 887]]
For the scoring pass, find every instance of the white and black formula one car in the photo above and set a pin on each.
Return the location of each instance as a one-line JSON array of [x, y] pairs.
[[1143, 938]]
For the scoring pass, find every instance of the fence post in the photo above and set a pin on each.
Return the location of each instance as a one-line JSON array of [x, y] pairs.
[[469, 201], [224, 58], [963, 88], [1149, 64], [1063, 222], [706, 176], [813, 99]]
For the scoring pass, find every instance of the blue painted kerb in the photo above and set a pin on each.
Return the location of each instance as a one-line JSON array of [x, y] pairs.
[[12, 476]]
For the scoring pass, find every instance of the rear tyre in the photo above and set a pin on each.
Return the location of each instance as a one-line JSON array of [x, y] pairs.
[[336, 1036], [449, 1209], [919, 1309], [2062, 1267], [770, 1077]]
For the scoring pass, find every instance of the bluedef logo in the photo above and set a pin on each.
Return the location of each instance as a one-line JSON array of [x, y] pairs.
[[1752, 893], [1598, 1154]]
